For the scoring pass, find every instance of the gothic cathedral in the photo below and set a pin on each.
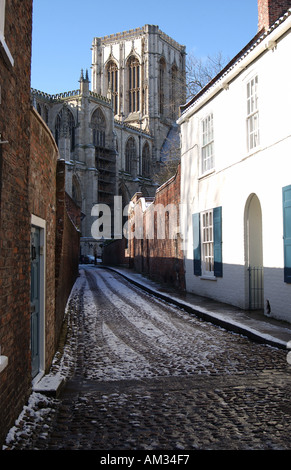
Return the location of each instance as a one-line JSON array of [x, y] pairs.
[[113, 137]]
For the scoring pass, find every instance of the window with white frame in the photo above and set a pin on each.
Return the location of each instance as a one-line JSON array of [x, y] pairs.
[[207, 144], [4, 50], [207, 239], [2, 16], [252, 114]]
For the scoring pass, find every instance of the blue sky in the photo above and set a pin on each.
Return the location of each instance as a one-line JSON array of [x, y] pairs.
[[63, 31]]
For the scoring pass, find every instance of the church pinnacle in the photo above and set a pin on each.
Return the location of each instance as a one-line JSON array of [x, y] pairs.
[[82, 79], [84, 82]]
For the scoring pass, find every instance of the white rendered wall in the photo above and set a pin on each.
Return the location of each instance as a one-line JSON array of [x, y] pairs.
[[239, 174]]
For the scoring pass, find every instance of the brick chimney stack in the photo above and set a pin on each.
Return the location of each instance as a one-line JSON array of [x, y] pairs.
[[270, 10]]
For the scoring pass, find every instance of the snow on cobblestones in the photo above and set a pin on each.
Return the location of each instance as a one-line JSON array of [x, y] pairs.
[[117, 333], [153, 344], [140, 316], [141, 305], [123, 363]]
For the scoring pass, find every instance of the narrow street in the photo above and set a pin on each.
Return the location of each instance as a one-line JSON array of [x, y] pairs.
[[145, 375]]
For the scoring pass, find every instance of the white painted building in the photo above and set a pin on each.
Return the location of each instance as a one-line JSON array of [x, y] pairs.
[[236, 175]]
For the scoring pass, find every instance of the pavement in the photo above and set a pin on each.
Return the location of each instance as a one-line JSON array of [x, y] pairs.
[[253, 324]]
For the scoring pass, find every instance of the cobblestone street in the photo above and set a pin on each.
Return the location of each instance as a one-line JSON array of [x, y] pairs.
[[145, 375]]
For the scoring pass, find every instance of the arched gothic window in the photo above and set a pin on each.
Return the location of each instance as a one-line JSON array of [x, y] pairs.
[[146, 161], [112, 79], [58, 128], [65, 126], [46, 114], [98, 126], [174, 90], [134, 85], [76, 191], [162, 85], [130, 154]]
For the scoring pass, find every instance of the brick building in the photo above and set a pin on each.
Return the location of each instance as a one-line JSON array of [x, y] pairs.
[[67, 246], [54, 221], [39, 240], [156, 250], [15, 378]]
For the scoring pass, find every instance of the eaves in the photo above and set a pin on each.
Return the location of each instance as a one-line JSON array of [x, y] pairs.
[[262, 42]]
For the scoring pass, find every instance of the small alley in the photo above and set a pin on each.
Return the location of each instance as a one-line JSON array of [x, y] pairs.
[[142, 374]]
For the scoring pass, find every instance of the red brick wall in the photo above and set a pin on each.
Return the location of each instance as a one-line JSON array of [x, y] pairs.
[[49, 201], [67, 246], [42, 203], [270, 10], [115, 253], [161, 259], [15, 380], [74, 211]]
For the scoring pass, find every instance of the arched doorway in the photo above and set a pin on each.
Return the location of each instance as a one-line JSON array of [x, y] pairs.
[[254, 254]]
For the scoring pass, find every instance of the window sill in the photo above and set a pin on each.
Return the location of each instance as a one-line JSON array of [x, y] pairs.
[[4, 51], [3, 362], [207, 173], [209, 277], [253, 151]]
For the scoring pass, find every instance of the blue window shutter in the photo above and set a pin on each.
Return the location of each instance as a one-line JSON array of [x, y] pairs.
[[287, 233], [217, 233], [196, 244]]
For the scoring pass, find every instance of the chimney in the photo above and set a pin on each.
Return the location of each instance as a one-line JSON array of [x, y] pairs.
[[270, 10]]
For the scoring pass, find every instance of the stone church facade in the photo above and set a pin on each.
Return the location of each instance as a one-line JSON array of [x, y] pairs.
[[112, 137]]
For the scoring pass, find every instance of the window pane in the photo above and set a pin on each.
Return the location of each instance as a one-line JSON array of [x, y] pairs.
[[207, 143], [252, 113], [207, 242]]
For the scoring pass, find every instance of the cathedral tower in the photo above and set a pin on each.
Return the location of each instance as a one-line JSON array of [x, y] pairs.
[[112, 137], [143, 71]]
